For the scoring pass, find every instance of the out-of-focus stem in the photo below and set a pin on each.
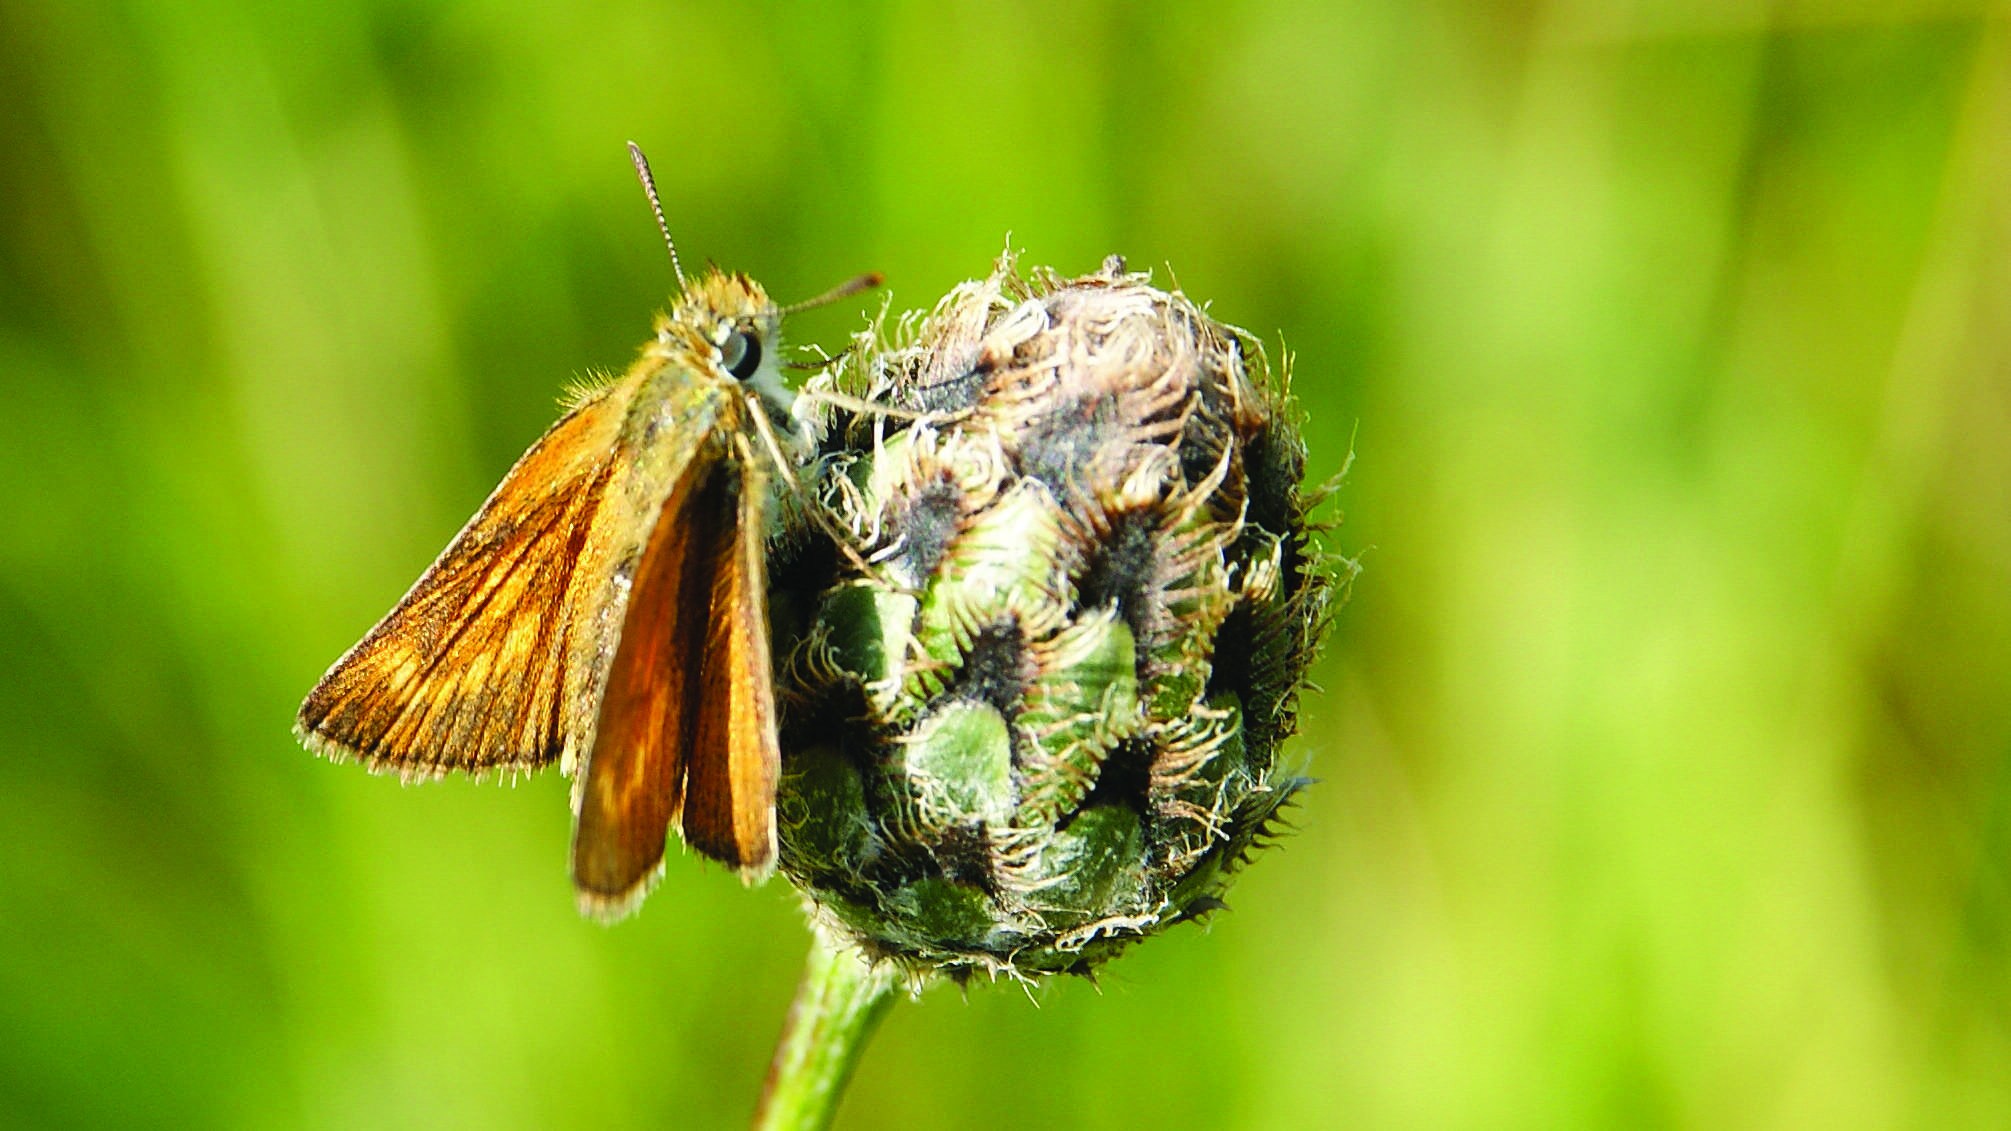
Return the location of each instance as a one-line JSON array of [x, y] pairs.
[[839, 1004]]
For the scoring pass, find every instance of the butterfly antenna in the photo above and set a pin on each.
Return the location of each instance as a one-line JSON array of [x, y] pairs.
[[846, 289], [656, 206]]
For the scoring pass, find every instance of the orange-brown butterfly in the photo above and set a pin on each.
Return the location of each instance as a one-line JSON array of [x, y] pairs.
[[606, 608]]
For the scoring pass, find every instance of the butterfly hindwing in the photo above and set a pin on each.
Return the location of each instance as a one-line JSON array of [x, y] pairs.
[[729, 809], [687, 729], [633, 783]]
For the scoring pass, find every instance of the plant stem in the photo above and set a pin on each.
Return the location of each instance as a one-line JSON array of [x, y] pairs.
[[839, 1004]]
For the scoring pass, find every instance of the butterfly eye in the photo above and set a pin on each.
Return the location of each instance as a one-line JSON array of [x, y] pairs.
[[740, 353]]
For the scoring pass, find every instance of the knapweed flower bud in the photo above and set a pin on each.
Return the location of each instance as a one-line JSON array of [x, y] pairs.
[[1038, 714]]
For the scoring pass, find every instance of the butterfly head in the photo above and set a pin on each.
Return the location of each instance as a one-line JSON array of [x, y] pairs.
[[729, 327]]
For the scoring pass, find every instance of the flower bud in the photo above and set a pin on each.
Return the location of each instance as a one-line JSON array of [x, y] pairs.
[[1037, 710]]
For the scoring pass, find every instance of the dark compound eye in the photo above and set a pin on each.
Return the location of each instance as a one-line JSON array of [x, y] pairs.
[[740, 353]]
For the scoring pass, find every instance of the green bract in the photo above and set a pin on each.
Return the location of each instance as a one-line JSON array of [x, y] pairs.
[[1035, 714]]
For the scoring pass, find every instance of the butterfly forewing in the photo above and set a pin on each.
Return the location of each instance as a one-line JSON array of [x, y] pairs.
[[495, 659], [476, 669]]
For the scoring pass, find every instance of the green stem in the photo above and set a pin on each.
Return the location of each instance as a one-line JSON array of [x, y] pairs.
[[839, 1004]]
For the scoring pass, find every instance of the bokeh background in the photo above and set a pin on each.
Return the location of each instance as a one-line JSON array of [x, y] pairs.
[[1666, 743]]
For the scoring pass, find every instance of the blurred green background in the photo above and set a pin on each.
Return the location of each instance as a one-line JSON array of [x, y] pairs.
[[1666, 742]]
